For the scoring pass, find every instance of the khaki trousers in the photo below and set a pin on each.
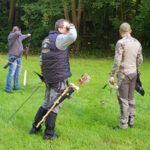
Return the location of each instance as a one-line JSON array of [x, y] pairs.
[[126, 100]]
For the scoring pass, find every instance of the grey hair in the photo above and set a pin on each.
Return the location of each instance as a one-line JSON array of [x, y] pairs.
[[59, 23]]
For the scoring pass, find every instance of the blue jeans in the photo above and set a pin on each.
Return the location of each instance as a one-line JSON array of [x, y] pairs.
[[14, 71]]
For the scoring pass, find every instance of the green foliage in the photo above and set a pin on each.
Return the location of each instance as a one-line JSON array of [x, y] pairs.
[[142, 22], [41, 15], [32, 20], [104, 19], [4, 29], [84, 122], [100, 21]]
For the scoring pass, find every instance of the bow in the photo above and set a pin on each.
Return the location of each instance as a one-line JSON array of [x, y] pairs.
[[138, 86], [67, 92], [12, 115], [111, 85], [29, 40], [40, 76]]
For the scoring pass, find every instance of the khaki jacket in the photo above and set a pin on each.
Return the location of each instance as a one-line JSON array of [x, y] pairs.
[[128, 56]]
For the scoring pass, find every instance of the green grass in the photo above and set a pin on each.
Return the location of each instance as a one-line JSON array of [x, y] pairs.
[[83, 123]]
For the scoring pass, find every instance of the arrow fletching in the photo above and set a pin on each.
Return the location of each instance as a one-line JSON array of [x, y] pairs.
[[113, 85], [85, 78]]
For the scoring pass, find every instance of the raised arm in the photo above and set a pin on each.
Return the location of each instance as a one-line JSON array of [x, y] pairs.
[[24, 36], [64, 40], [12, 37]]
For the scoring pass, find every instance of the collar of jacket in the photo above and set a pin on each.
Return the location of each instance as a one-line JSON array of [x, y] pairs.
[[54, 32]]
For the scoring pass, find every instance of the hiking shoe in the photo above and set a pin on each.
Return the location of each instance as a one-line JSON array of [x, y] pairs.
[[50, 137], [35, 130], [17, 89], [130, 125], [10, 92], [116, 128]]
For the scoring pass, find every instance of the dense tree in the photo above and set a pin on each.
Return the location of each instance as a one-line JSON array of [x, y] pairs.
[[4, 29], [75, 17], [142, 22], [12, 12], [97, 21]]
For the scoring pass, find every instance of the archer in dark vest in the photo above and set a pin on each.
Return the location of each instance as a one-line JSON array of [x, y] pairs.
[[55, 69]]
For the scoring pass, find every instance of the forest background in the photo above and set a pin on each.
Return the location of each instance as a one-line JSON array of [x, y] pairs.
[[97, 22]]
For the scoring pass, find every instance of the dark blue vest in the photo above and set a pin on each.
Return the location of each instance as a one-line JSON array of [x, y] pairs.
[[56, 65]]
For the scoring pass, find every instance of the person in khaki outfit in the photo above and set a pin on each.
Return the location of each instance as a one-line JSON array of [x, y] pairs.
[[127, 60]]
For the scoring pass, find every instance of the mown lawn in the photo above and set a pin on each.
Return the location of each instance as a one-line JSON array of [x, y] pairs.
[[85, 122]]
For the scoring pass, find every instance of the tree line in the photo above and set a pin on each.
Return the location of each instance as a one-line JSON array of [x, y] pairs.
[[97, 22]]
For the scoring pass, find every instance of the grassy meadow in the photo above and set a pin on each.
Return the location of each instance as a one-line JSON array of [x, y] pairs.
[[84, 122]]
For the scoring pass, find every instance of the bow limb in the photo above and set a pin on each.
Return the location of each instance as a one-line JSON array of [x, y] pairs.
[[29, 39]]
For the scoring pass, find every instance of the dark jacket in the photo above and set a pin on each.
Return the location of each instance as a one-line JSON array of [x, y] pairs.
[[56, 65]]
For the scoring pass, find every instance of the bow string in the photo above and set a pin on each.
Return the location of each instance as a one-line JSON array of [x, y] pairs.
[[29, 40]]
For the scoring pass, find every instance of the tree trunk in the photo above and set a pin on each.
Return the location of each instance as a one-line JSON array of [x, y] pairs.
[[16, 14], [74, 19], [65, 10], [12, 9], [121, 10], [79, 15], [76, 16]]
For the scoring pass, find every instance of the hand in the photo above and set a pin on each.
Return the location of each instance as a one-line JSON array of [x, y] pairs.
[[42, 70], [71, 24], [69, 96], [111, 80], [29, 34], [66, 24]]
